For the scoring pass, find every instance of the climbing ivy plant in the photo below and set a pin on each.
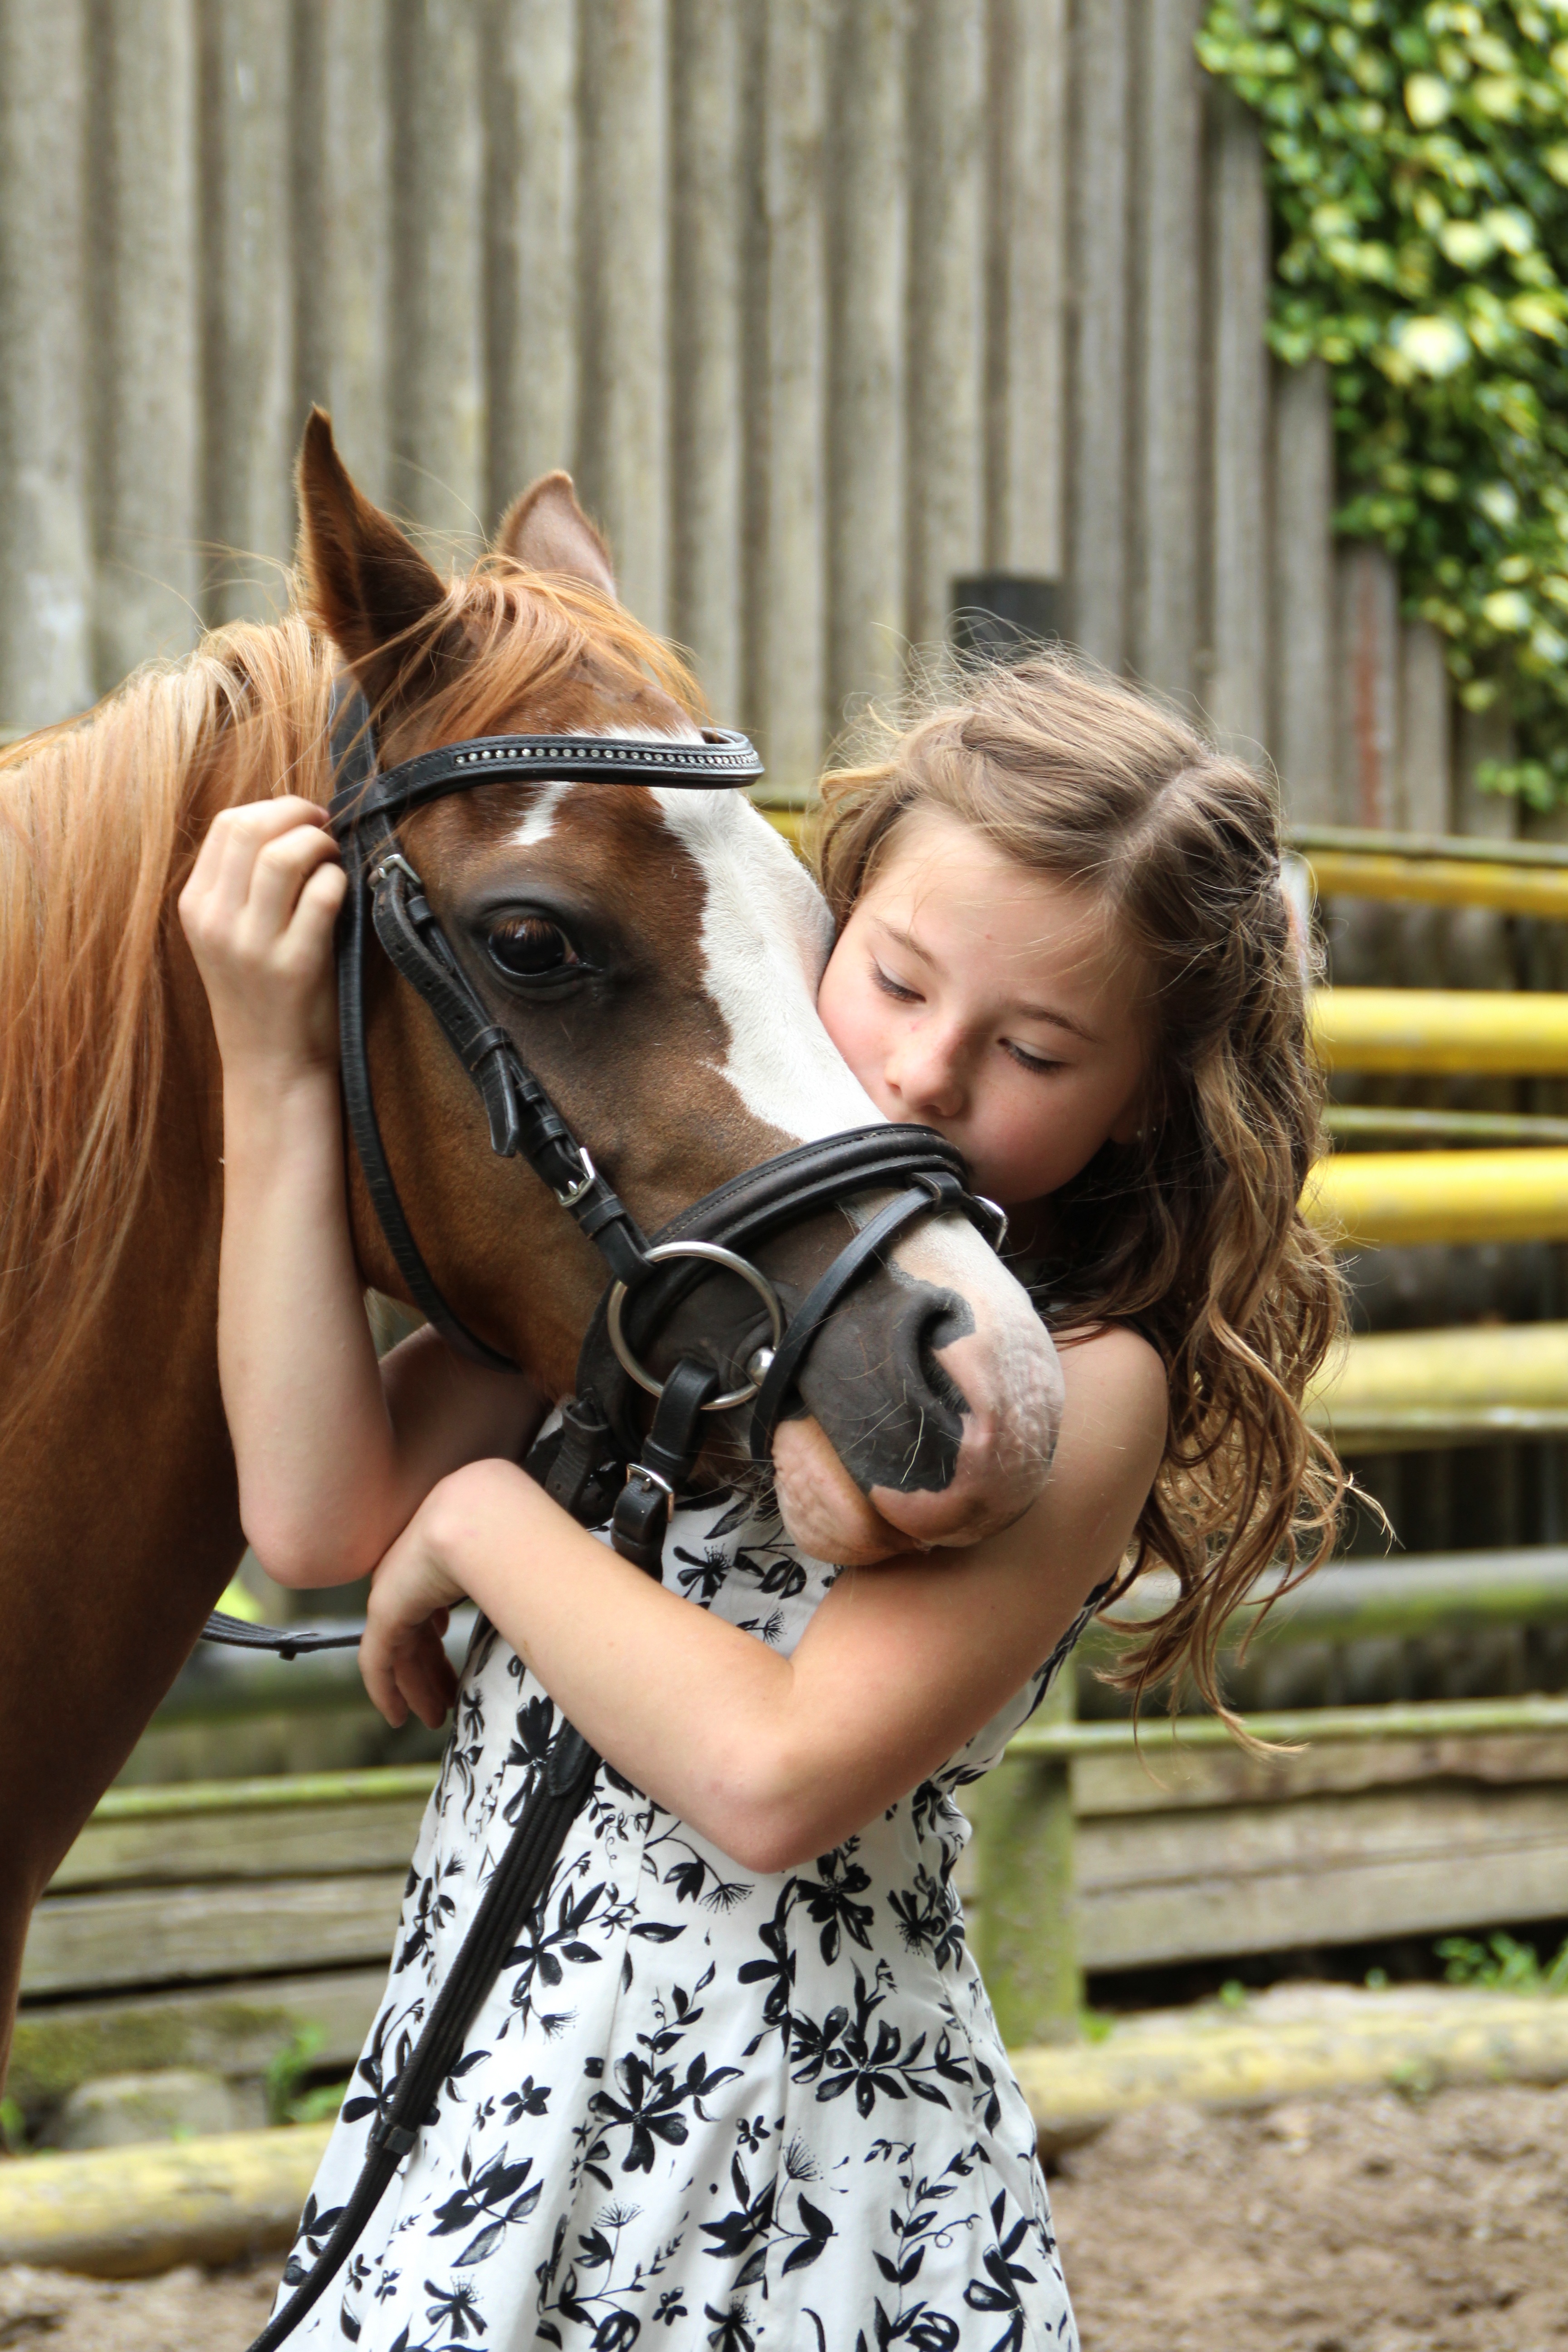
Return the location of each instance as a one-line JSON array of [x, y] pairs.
[[1419, 162]]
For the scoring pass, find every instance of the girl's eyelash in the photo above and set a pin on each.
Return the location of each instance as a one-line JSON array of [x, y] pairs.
[[1031, 1061], [891, 987]]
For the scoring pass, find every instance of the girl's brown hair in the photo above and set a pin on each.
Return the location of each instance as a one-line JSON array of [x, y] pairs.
[[1194, 1232]]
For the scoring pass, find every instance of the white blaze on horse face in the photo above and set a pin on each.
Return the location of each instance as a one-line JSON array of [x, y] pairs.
[[766, 938], [540, 823]]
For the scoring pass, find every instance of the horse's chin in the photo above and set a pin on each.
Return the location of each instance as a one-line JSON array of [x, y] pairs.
[[825, 1514]]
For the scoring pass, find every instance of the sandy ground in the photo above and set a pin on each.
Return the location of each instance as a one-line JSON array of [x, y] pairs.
[[1370, 2225]]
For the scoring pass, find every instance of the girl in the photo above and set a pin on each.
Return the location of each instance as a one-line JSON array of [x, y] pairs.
[[740, 2085]]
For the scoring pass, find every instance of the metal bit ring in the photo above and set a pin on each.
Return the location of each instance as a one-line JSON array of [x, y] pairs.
[[714, 1255]]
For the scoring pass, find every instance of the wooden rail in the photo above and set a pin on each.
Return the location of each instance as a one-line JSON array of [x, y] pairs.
[[205, 1924]]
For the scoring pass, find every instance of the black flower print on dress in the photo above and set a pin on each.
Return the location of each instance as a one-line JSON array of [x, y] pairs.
[[700, 2106]]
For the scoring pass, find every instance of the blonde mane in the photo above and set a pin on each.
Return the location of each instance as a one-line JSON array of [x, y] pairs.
[[99, 820]]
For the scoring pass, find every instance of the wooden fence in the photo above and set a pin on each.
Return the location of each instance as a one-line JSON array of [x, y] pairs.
[[208, 1924], [825, 302]]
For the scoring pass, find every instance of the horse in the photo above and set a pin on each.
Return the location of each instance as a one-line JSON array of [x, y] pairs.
[[692, 1053]]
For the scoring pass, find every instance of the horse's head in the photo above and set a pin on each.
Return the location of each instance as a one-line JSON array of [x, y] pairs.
[[654, 954]]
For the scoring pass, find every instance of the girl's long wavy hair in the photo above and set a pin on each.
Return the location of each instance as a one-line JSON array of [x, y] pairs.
[[1194, 1232]]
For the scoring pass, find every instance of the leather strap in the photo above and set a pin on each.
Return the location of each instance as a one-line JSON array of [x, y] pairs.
[[821, 1300], [641, 1516], [282, 1641], [722, 759]]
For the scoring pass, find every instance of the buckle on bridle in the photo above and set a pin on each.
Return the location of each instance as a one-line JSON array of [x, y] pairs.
[[383, 867], [713, 1253], [585, 1182]]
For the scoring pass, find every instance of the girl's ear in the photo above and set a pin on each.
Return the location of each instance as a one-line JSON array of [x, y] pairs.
[[365, 582], [546, 529]]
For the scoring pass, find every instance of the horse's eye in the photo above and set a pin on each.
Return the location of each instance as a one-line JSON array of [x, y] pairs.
[[530, 949]]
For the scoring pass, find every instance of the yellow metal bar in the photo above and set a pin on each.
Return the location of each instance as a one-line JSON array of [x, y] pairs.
[[1379, 1197], [1441, 1029], [790, 821], [1397, 1390], [1440, 882]]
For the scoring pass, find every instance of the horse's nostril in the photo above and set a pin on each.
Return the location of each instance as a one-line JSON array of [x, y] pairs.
[[891, 1412]]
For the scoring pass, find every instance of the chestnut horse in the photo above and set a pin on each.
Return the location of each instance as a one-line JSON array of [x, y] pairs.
[[687, 1050]]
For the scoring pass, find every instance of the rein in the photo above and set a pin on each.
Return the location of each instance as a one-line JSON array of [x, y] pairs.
[[583, 1464]]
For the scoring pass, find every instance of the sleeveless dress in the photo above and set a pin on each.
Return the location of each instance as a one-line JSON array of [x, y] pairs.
[[700, 2106]]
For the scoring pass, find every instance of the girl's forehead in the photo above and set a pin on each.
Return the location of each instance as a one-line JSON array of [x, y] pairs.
[[954, 895], [939, 865]]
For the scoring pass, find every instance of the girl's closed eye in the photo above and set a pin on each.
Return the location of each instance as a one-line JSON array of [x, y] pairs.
[[897, 989], [1027, 1059]]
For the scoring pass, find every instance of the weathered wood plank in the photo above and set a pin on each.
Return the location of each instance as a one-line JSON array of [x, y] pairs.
[[1302, 612], [787, 385], [946, 307], [173, 1935], [342, 214], [1098, 267], [237, 2030], [624, 451], [438, 209], [186, 1849], [1177, 1780], [1167, 1887], [247, 492], [867, 264], [1026, 421], [708, 418], [1368, 679], [1167, 184], [1425, 748], [45, 565], [532, 324], [144, 349], [1239, 688]]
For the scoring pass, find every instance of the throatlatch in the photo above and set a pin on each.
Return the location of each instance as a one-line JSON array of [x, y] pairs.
[[584, 1464]]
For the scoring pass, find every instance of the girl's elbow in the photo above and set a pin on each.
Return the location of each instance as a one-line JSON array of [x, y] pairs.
[[296, 1557], [773, 1825]]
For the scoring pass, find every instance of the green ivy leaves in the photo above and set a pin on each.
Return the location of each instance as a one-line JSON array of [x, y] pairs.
[[1419, 162]]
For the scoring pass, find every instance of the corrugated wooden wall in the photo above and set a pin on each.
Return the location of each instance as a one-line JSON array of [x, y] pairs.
[[823, 301]]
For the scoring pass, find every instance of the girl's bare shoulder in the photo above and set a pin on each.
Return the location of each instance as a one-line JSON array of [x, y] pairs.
[[1113, 1372]]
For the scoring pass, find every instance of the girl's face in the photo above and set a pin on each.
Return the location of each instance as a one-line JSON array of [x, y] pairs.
[[994, 1004]]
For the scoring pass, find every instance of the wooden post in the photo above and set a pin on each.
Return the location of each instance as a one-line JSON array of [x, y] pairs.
[[1027, 1940]]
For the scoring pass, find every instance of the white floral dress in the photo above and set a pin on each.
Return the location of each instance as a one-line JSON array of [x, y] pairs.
[[699, 2107]]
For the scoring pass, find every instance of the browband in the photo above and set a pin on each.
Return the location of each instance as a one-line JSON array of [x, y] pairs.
[[723, 759]]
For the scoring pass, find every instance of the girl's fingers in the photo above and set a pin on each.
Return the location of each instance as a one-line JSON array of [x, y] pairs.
[[236, 838], [283, 865], [379, 1681], [317, 911]]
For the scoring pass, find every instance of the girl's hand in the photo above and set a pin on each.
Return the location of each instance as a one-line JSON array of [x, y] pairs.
[[258, 912], [410, 1595]]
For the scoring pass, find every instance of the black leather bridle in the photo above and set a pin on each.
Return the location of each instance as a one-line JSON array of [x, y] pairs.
[[648, 1278], [584, 1464]]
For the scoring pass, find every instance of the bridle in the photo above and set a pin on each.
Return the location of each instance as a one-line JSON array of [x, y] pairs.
[[646, 1279], [583, 1462]]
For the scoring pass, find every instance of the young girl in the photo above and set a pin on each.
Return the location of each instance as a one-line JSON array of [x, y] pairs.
[[740, 2085]]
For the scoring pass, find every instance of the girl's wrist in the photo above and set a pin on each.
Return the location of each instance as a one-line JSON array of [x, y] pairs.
[[263, 1096]]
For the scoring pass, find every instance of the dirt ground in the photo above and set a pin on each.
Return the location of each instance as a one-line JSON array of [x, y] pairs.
[[1367, 2225]]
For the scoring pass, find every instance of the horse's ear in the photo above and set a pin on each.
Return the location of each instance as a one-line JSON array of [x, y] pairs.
[[365, 582], [546, 531]]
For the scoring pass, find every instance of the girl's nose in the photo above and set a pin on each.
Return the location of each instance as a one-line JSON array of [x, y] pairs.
[[925, 1071]]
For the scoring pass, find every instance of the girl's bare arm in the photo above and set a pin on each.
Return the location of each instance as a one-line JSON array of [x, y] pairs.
[[333, 1461], [777, 1760]]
